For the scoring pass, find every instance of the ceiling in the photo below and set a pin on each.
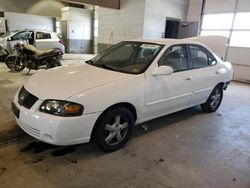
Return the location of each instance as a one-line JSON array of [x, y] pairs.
[[114, 4]]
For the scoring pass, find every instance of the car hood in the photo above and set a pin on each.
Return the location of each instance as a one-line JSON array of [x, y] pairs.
[[64, 82]]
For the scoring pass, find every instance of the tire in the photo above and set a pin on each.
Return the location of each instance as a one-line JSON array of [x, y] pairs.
[[12, 64], [113, 129], [214, 100]]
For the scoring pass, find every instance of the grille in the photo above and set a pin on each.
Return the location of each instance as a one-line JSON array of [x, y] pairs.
[[26, 99]]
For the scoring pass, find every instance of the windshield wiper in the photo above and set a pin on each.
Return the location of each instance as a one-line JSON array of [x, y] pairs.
[[105, 66], [89, 62]]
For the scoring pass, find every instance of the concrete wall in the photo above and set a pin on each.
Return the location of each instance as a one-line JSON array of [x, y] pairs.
[[138, 19], [38, 7], [18, 21], [194, 10], [117, 25], [156, 13], [79, 32]]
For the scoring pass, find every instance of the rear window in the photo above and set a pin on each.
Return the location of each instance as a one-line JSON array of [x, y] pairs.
[[42, 35]]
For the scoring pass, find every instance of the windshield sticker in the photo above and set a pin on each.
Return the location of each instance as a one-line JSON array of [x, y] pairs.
[[151, 46]]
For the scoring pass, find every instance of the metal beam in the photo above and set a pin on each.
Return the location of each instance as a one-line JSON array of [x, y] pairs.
[[114, 4]]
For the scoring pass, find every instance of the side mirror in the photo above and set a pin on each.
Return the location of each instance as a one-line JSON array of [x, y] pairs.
[[9, 38], [163, 70]]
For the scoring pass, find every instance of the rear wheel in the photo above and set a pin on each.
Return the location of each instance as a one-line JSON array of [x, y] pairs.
[[114, 129], [14, 63], [214, 100]]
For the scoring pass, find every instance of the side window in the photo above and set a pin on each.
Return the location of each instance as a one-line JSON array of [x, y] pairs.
[[175, 57], [198, 56], [41, 35]]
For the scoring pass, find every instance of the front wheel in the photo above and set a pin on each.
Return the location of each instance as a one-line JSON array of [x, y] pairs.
[[214, 100], [14, 63], [114, 129]]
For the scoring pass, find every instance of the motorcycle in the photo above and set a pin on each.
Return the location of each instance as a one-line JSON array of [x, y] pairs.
[[3, 53], [28, 56]]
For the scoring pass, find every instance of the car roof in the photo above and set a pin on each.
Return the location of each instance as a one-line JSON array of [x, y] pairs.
[[28, 30], [167, 41]]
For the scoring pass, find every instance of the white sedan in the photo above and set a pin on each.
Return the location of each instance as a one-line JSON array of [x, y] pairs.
[[127, 84]]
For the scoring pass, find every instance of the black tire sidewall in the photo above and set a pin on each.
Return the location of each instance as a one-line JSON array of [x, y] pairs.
[[99, 137], [19, 68], [7, 61], [208, 106]]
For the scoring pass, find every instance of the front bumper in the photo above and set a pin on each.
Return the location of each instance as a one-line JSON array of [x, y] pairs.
[[54, 129]]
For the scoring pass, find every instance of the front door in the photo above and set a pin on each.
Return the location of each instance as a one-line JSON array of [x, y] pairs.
[[21, 37], [169, 93]]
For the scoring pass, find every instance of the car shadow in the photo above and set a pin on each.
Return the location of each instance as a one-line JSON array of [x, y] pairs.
[[165, 121], [89, 149]]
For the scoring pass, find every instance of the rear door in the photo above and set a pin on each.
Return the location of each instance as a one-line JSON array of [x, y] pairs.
[[43, 40], [204, 73]]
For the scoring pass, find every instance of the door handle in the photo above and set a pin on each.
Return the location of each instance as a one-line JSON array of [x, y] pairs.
[[189, 78]]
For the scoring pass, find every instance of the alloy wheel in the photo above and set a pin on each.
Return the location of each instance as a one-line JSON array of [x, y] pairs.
[[115, 130]]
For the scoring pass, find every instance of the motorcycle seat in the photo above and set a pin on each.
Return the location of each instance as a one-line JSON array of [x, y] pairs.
[[44, 53], [39, 53]]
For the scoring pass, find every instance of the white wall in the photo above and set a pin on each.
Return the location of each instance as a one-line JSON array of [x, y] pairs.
[[37, 7], [2, 25], [79, 22], [18, 21], [156, 12], [194, 10], [138, 19], [126, 23]]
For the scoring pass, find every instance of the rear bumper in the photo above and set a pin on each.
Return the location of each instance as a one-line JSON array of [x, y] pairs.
[[226, 85]]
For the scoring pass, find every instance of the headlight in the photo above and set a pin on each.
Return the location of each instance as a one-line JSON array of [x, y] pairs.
[[61, 108]]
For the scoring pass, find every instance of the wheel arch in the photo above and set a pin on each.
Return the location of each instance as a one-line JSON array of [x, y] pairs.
[[222, 84], [127, 105]]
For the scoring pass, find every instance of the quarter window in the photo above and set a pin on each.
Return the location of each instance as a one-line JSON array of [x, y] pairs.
[[175, 57], [199, 57]]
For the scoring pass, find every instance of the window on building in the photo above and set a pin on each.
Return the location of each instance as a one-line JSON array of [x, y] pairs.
[[240, 39], [234, 25], [217, 21], [58, 26]]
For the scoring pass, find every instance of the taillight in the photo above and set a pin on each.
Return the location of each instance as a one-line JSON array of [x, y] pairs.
[[61, 41]]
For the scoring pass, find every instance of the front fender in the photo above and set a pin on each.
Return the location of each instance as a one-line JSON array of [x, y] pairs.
[[125, 91]]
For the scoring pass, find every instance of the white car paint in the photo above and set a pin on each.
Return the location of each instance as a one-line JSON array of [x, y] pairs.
[[97, 89], [8, 41]]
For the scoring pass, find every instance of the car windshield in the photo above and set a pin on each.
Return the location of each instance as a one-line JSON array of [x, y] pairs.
[[127, 57]]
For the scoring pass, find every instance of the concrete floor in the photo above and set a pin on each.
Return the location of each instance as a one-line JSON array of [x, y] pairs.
[[186, 149]]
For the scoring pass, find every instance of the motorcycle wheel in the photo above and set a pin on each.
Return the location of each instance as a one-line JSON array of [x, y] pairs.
[[12, 64]]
